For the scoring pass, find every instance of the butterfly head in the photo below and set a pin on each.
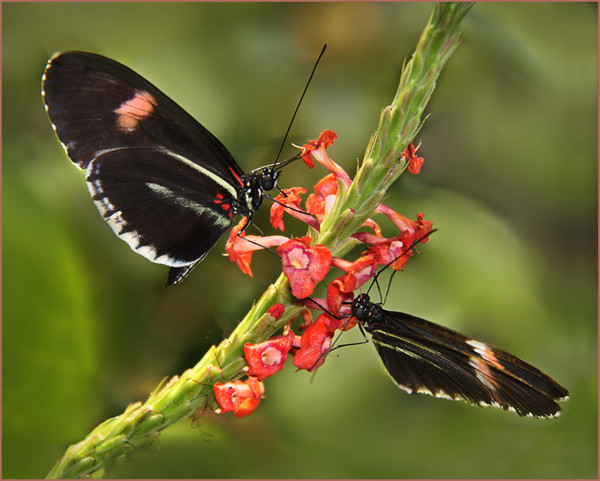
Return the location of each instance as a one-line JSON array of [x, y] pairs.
[[258, 182], [267, 178]]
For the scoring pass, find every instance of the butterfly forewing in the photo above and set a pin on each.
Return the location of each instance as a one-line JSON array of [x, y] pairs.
[[97, 104], [162, 181], [423, 357]]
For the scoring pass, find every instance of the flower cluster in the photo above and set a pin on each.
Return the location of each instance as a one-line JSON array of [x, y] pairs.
[[306, 265]]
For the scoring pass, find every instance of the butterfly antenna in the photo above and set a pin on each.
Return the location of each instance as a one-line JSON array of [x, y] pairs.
[[376, 283], [405, 252], [334, 346], [296, 111], [387, 291]]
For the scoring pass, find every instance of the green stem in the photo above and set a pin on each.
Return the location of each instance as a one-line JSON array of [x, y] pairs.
[[183, 396]]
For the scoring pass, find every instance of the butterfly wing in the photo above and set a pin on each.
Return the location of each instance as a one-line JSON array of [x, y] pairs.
[[167, 215], [423, 357], [164, 183]]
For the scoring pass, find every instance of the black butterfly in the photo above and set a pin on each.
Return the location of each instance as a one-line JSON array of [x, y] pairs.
[[423, 357], [163, 183]]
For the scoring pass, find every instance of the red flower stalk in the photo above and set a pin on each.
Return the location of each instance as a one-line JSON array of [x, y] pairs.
[[241, 397], [304, 265], [267, 358]]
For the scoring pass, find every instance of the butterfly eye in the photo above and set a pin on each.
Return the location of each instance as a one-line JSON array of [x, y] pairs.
[[268, 179], [358, 309], [358, 312]]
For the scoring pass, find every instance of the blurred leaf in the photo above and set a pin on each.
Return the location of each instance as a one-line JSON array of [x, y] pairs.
[[49, 357]]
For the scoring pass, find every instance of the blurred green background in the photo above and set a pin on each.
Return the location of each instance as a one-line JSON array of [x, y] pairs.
[[510, 180]]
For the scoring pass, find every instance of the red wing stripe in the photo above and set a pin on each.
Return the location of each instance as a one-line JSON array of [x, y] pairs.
[[238, 178]]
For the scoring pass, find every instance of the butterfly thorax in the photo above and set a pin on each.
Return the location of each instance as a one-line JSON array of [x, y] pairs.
[[366, 311]]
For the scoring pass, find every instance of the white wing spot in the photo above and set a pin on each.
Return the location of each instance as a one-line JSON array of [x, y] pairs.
[[483, 372], [486, 353], [186, 203], [117, 223], [104, 206], [477, 345]]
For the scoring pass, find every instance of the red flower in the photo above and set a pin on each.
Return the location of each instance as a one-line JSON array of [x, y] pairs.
[[414, 163], [339, 302], [287, 197], [357, 272], [317, 148], [307, 320], [340, 290], [315, 341], [320, 203], [267, 358], [417, 229], [241, 397], [289, 201], [240, 247], [304, 265], [326, 138], [241, 256], [373, 225], [276, 310], [393, 251]]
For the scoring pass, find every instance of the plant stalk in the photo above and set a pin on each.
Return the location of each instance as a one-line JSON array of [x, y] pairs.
[[183, 396]]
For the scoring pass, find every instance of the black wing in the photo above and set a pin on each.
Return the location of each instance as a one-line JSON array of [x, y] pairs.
[[164, 183], [91, 101], [423, 357]]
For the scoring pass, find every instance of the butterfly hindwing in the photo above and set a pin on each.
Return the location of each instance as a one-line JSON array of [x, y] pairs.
[[158, 204]]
